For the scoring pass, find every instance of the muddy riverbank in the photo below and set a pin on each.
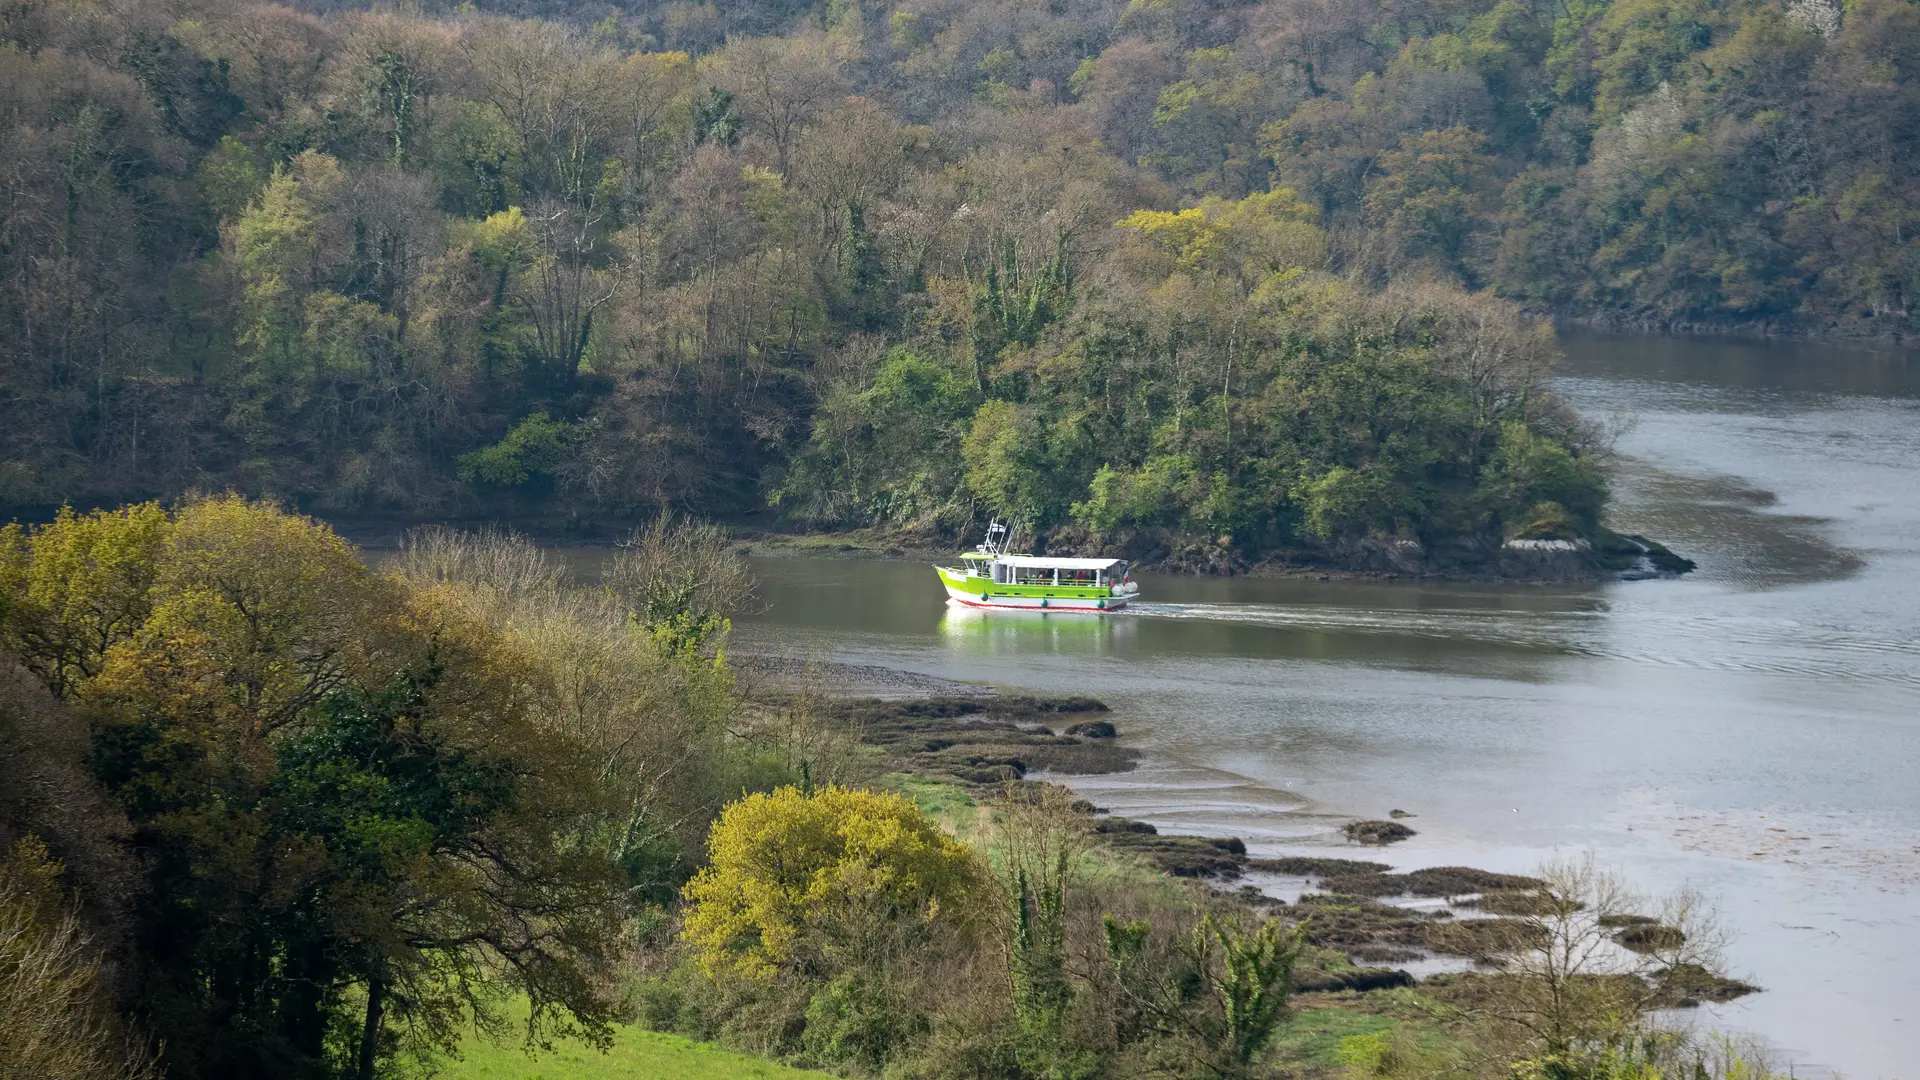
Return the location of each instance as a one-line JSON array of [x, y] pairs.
[[1374, 928]]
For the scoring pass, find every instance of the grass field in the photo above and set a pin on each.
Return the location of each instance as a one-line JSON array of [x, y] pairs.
[[1312, 1033], [635, 1055]]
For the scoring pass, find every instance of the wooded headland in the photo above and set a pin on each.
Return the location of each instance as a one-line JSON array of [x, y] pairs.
[[1260, 271]]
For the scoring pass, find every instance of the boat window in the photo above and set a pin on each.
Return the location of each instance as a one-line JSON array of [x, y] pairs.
[[1053, 575]]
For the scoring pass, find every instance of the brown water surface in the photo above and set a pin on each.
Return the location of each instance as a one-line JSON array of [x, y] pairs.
[[1753, 729]]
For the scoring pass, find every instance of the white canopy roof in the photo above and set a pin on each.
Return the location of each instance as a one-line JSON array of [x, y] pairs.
[[1048, 562]]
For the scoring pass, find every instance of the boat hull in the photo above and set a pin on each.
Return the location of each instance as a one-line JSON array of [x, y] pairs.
[[1029, 603]]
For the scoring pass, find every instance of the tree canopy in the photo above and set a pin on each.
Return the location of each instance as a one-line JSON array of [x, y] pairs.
[[1091, 263], [358, 811]]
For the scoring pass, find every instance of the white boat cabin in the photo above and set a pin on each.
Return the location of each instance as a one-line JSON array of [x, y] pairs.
[[1046, 570]]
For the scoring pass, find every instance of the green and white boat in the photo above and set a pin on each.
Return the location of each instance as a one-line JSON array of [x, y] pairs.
[[991, 576]]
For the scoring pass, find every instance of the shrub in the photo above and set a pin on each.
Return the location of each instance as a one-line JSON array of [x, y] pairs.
[[859, 1021], [536, 446], [58, 1026], [824, 881]]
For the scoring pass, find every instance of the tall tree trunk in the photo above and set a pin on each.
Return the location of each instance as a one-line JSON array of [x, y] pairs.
[[302, 1013], [370, 1034]]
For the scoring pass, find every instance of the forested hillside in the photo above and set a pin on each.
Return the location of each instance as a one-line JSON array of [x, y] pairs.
[[1253, 272]]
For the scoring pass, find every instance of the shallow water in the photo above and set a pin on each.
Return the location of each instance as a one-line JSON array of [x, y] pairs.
[[1753, 730]]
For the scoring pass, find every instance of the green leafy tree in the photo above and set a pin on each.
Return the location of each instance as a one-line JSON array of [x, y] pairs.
[[715, 120], [1210, 120], [889, 452], [231, 178], [1534, 486], [1220, 987], [1042, 839], [1012, 304], [405, 816], [1638, 45], [537, 446], [1014, 464], [1253, 983], [1430, 195]]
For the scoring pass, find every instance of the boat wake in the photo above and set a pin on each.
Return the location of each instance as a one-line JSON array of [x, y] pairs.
[[1660, 638], [1546, 629]]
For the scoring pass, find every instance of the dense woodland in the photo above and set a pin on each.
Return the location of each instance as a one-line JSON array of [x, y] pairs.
[[1245, 271]]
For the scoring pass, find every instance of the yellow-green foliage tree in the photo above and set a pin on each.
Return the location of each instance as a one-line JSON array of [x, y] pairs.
[[356, 823], [818, 881]]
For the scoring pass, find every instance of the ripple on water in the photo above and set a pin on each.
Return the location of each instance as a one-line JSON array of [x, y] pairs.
[[1204, 802], [1816, 840], [1663, 638], [1730, 527]]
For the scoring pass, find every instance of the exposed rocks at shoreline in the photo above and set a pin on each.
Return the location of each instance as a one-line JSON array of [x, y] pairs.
[[1218, 859], [1377, 833], [1690, 984], [1362, 915], [985, 741], [990, 743], [1354, 877]]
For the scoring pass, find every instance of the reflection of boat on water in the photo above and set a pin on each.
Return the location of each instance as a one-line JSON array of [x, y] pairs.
[[981, 631], [991, 576]]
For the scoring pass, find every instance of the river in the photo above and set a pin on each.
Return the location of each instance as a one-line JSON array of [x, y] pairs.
[[1752, 730]]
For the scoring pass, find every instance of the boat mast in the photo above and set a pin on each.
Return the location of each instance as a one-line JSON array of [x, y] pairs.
[[999, 540]]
